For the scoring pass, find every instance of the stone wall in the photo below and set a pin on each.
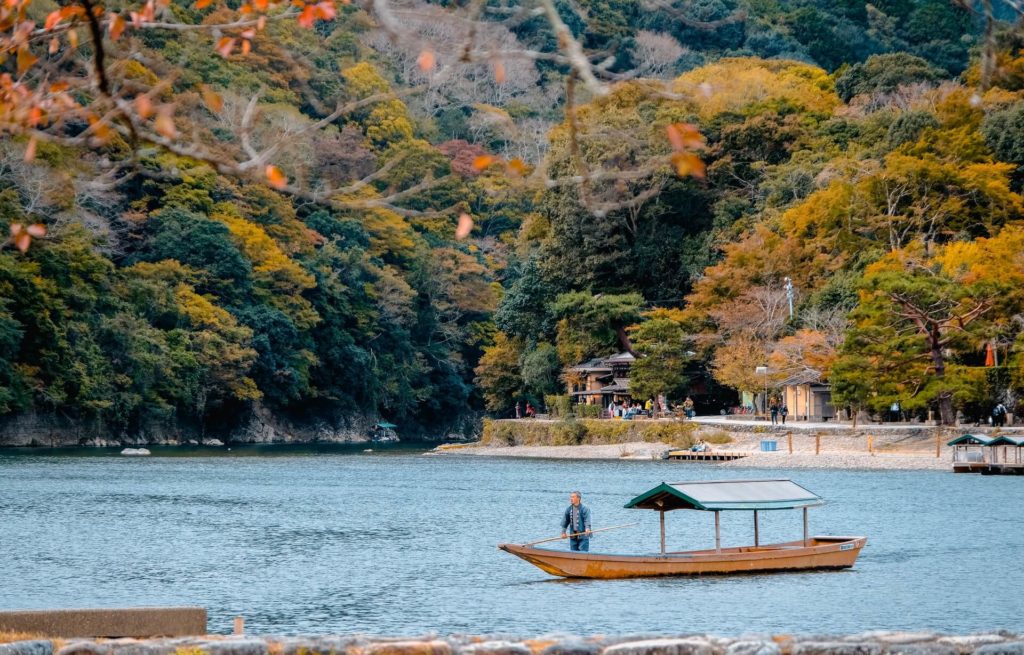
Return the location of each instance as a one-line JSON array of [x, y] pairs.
[[868, 643]]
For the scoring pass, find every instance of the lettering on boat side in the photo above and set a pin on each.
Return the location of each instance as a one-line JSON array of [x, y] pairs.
[[846, 547]]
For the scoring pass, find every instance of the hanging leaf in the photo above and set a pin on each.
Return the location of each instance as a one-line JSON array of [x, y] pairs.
[[687, 163], [225, 46], [246, 47], [325, 10], [308, 17], [426, 61], [73, 39], [464, 227], [30, 150], [37, 230], [213, 101], [117, 25], [52, 19], [143, 106], [276, 178], [499, 71], [54, 45], [164, 123], [25, 59], [684, 136]]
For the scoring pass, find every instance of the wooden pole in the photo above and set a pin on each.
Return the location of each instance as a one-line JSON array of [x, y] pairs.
[[662, 518], [938, 445], [805, 527], [576, 534], [718, 532], [789, 439], [871, 444], [817, 444], [239, 625], [757, 536]]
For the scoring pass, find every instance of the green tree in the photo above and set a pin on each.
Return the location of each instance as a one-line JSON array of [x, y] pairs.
[[662, 351]]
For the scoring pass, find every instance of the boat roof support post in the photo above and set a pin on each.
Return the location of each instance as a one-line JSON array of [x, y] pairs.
[[757, 536], [805, 527], [718, 531], [662, 518]]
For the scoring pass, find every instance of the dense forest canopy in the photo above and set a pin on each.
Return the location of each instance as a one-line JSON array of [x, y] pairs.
[[417, 211]]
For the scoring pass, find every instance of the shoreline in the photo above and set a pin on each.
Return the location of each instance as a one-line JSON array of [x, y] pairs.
[[804, 458]]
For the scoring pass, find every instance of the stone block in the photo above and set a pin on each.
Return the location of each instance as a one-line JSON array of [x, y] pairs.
[[837, 648], [664, 646], [572, 647], [967, 644], [1006, 648], [32, 647], [495, 648], [411, 647], [759, 647]]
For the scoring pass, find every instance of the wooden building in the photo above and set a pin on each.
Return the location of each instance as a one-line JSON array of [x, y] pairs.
[[600, 381], [808, 397]]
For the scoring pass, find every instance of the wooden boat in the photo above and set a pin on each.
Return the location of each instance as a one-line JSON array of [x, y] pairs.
[[809, 553]]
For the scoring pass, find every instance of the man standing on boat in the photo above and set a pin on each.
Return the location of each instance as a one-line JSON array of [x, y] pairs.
[[576, 521]]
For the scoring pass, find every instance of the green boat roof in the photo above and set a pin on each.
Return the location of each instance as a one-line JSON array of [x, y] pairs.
[[719, 495], [1004, 440], [387, 426], [970, 440]]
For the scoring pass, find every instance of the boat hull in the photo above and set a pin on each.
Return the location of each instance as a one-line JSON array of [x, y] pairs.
[[819, 553]]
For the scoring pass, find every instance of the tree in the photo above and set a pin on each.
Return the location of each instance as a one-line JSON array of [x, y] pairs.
[[918, 312], [662, 356], [499, 374]]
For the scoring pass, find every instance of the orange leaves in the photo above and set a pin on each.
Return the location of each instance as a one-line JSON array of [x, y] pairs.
[[687, 163], [320, 11], [276, 178], [684, 139], [30, 151], [143, 106], [483, 161], [212, 99], [164, 124], [225, 46], [117, 25], [516, 167], [21, 235], [202, 4], [464, 227], [499, 71], [25, 59]]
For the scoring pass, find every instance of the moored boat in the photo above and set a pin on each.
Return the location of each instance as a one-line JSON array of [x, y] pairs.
[[809, 553]]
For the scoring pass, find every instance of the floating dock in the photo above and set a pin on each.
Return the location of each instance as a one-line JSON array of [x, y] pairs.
[[706, 456]]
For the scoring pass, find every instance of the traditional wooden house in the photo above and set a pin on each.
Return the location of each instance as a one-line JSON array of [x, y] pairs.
[[600, 381], [807, 397]]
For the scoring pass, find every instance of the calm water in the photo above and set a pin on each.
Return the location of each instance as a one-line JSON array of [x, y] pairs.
[[396, 542]]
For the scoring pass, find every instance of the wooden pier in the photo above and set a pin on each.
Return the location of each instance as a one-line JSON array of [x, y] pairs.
[[705, 456]]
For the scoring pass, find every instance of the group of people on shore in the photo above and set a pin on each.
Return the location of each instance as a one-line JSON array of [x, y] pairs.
[[777, 409]]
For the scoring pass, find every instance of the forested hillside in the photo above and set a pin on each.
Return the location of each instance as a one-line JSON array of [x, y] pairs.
[[341, 214]]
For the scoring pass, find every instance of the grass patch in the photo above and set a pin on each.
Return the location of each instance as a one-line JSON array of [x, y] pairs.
[[578, 431]]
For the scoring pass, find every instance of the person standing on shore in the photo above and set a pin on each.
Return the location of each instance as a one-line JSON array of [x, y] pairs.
[[784, 412], [576, 521], [774, 409]]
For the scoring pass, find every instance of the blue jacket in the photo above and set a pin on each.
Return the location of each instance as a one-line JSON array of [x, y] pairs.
[[584, 519]]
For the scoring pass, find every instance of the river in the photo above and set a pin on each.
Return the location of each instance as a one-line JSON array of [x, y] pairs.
[[337, 540]]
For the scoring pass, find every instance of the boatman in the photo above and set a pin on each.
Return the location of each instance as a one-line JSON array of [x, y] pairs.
[[577, 522]]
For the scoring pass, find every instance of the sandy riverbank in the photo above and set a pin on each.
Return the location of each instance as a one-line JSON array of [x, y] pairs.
[[833, 455]]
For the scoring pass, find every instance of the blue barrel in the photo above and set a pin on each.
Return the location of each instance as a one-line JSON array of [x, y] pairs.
[[769, 445]]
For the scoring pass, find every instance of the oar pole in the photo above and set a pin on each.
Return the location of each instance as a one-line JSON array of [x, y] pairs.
[[577, 534]]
